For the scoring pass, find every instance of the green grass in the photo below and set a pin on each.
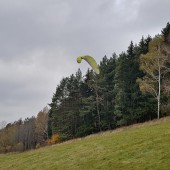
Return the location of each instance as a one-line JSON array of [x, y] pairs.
[[138, 147]]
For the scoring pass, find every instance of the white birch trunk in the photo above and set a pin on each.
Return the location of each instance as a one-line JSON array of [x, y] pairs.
[[159, 92]]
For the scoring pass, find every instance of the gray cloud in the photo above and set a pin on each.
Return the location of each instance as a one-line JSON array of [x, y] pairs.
[[40, 40]]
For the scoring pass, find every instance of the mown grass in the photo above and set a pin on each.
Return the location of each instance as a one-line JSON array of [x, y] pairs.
[[138, 147]]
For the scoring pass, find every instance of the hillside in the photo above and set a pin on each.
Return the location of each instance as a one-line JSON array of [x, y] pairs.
[[141, 146]]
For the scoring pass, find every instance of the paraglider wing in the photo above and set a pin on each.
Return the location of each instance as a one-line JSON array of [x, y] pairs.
[[79, 59], [91, 61]]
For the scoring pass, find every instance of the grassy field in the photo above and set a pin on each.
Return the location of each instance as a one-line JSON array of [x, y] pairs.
[[142, 146]]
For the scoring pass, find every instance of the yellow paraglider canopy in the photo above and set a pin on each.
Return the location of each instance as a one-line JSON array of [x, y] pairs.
[[91, 61]]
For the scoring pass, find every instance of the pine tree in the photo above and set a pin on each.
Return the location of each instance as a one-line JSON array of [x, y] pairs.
[[107, 83], [128, 95], [166, 33]]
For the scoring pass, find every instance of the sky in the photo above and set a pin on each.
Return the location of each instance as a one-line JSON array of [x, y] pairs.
[[40, 41]]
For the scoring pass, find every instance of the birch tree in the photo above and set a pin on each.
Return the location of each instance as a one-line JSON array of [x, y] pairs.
[[155, 65]]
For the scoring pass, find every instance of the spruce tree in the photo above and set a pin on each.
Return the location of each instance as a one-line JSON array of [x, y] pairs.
[[166, 33]]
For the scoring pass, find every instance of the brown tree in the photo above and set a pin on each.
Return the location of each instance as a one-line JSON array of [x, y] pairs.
[[41, 126]]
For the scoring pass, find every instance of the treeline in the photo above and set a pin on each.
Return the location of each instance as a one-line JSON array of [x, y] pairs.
[[125, 92], [132, 87], [23, 135]]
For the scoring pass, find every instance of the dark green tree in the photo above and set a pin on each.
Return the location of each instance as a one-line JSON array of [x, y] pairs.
[[166, 33], [107, 85]]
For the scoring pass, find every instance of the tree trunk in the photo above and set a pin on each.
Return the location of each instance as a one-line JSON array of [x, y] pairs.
[[159, 92], [158, 106], [98, 112]]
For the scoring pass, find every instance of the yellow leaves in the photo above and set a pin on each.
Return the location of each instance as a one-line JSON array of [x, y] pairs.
[[152, 62], [154, 47], [142, 85], [147, 85], [54, 139], [155, 44]]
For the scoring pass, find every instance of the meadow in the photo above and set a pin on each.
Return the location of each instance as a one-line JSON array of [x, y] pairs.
[[138, 147]]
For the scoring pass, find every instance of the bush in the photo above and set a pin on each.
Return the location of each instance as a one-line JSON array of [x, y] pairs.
[[54, 139]]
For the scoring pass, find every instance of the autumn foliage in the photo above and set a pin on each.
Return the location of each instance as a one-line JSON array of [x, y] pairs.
[[54, 139]]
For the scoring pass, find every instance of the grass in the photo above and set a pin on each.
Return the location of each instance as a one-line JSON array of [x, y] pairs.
[[139, 147]]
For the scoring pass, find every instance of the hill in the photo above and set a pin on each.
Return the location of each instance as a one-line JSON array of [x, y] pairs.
[[138, 147]]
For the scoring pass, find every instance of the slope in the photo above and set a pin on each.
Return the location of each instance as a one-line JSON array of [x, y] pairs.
[[138, 147]]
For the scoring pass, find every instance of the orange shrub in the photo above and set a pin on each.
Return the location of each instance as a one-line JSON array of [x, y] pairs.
[[54, 139]]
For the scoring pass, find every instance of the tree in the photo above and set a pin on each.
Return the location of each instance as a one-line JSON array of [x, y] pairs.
[[154, 65], [65, 106], [92, 82], [27, 133], [165, 48], [2, 124], [166, 33], [126, 89], [107, 84], [41, 126]]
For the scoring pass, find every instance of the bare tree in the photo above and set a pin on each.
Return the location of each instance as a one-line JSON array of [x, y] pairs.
[[3, 124], [41, 126]]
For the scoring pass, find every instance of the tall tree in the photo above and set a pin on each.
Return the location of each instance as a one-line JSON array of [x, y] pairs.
[[127, 92], [93, 83], [107, 85], [41, 126], [153, 64], [166, 33], [65, 106]]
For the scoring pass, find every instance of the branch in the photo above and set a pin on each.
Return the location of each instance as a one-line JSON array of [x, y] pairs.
[[150, 72]]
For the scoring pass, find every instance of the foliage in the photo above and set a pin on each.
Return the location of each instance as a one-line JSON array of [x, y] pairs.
[[154, 65], [166, 33], [54, 139], [24, 135]]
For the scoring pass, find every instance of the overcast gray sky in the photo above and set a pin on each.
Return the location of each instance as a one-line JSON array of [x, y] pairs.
[[40, 41]]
